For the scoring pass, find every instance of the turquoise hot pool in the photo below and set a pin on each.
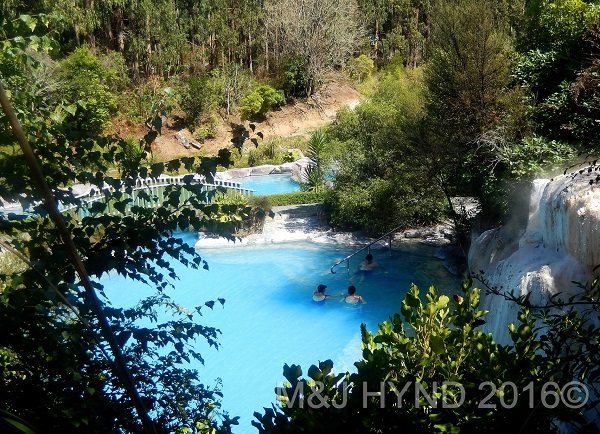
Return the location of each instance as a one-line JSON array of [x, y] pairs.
[[269, 317], [269, 184]]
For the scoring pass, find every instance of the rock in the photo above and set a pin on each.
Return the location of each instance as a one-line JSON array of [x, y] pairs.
[[285, 168], [419, 233], [237, 173], [181, 138], [262, 170], [298, 168]]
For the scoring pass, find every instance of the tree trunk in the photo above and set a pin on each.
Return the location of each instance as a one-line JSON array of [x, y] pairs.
[[415, 41], [376, 44], [120, 29], [212, 48], [427, 35], [77, 40], [136, 67], [90, 37], [266, 52], [148, 51], [109, 35], [250, 67]]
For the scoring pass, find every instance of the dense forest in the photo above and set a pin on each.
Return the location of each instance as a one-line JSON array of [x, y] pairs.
[[462, 98]]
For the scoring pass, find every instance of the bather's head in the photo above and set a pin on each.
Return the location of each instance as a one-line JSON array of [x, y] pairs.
[[351, 290], [321, 288], [369, 257]]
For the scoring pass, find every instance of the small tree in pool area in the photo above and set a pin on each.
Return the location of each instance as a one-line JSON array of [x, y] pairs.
[[313, 176]]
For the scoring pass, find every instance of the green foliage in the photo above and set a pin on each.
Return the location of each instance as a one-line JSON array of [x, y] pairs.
[[51, 345], [208, 128], [267, 152], [201, 97], [559, 23], [420, 359], [28, 33], [406, 199], [559, 66], [469, 72], [532, 157], [251, 105], [312, 179], [381, 161], [291, 156], [262, 99], [293, 77], [313, 176], [296, 198], [360, 67], [86, 84], [134, 152], [471, 98]]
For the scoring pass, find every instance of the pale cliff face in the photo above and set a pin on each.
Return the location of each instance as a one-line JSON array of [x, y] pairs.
[[561, 244]]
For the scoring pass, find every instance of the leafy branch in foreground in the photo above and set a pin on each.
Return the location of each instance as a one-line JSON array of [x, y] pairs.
[[429, 369], [48, 347]]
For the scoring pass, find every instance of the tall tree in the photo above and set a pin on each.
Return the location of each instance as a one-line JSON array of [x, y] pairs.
[[559, 66], [376, 13], [320, 34], [467, 79], [470, 69]]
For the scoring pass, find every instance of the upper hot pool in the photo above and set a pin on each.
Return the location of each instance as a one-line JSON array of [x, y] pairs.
[[269, 184]]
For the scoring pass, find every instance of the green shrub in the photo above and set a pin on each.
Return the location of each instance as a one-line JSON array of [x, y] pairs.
[[208, 129], [250, 104], [201, 98], [262, 99], [360, 67], [85, 83], [293, 74], [268, 152], [271, 97], [296, 198], [291, 156]]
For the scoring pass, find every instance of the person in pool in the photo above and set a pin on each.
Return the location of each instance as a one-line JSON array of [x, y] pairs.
[[319, 295], [352, 296], [369, 264]]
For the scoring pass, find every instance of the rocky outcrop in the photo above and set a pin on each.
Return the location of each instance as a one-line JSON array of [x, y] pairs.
[[299, 167], [559, 245]]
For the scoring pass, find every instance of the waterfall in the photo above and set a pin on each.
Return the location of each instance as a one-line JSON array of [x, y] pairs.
[[289, 224], [537, 190], [560, 245]]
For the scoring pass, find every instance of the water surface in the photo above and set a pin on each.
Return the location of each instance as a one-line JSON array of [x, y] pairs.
[[269, 317], [269, 184]]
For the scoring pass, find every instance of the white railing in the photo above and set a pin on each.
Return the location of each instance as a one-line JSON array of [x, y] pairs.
[[155, 187]]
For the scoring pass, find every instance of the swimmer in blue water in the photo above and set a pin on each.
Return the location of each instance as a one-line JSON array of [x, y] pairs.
[[320, 296], [353, 297], [367, 267], [369, 264]]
